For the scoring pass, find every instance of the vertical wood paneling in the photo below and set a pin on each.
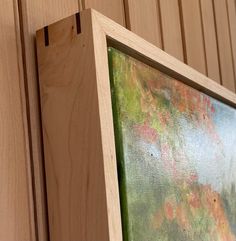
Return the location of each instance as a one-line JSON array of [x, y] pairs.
[[113, 9], [34, 15], [232, 24], [193, 34], [171, 28], [223, 37], [143, 18], [16, 201], [209, 31]]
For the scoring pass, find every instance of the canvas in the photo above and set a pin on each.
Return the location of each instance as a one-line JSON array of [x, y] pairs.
[[176, 155]]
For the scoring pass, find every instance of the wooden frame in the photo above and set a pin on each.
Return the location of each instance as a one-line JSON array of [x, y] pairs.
[[80, 159]]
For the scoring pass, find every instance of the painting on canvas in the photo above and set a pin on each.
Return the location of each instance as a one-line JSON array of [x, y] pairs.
[[176, 154]]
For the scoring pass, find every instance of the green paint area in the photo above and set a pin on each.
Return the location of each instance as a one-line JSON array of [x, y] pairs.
[[176, 156]]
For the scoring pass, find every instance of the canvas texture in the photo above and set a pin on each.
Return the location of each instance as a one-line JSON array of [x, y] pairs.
[[176, 155]]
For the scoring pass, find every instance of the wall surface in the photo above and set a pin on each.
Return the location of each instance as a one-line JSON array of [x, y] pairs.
[[202, 33]]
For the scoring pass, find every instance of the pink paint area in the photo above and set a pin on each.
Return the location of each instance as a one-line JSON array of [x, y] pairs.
[[146, 132]]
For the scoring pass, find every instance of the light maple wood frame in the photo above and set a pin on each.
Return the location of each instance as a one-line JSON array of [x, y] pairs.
[[80, 158]]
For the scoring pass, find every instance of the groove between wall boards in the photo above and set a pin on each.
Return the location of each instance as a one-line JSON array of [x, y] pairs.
[[43, 233], [160, 21], [217, 43], [203, 36], [20, 49], [231, 41], [182, 31]]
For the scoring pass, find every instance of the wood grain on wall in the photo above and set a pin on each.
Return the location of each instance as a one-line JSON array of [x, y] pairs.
[[231, 4], [143, 18], [224, 44], [171, 28], [113, 9], [209, 34], [193, 35], [16, 200]]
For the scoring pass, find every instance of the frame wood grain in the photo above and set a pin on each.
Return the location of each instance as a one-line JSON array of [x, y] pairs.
[[80, 158]]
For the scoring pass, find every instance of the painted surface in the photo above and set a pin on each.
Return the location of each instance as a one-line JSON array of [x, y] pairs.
[[176, 151]]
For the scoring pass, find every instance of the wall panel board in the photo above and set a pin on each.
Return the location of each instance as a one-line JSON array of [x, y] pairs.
[[224, 44], [113, 9], [143, 18], [193, 34], [232, 24], [16, 200], [209, 30], [171, 28]]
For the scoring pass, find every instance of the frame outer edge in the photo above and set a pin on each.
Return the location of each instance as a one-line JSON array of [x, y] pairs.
[[107, 129]]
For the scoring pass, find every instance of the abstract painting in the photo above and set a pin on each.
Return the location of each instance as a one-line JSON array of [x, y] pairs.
[[176, 155]]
